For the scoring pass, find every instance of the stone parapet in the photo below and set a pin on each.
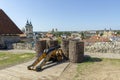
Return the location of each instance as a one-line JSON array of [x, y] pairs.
[[104, 47]]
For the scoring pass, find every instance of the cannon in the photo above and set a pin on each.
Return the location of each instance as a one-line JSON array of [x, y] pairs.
[[51, 54]]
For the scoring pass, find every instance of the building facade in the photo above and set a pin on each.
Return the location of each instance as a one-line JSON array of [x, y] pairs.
[[29, 29]]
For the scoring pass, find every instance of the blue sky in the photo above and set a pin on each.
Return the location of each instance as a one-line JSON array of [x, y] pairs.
[[65, 15]]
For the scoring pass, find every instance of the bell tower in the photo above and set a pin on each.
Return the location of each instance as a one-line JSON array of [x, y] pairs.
[[29, 29]]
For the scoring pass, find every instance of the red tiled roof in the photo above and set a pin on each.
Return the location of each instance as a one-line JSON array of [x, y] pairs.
[[97, 39], [7, 26]]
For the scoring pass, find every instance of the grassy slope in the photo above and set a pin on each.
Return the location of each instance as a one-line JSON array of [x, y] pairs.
[[8, 59], [92, 65]]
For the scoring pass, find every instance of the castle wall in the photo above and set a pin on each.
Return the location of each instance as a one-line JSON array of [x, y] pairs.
[[23, 46], [7, 41]]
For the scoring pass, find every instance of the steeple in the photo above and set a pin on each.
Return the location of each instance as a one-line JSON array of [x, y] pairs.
[[30, 23], [27, 22], [29, 29]]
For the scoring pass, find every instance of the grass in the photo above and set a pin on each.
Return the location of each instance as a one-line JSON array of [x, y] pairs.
[[8, 59], [94, 65]]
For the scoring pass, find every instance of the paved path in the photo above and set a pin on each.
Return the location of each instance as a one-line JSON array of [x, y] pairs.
[[20, 72], [104, 55]]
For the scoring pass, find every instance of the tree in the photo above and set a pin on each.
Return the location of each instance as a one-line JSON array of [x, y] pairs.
[[101, 34], [53, 30], [82, 35], [97, 32], [67, 33], [118, 32], [23, 30]]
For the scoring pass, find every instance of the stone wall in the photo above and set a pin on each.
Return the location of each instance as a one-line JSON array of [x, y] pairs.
[[7, 41], [11, 39], [104, 47], [23, 46]]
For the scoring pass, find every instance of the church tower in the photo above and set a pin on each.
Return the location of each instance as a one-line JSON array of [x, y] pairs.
[[29, 29]]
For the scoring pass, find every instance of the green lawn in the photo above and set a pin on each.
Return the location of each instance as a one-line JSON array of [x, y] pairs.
[[8, 59]]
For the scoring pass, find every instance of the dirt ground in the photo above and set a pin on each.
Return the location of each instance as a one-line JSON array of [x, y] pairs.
[[20, 72], [97, 70], [51, 71], [69, 72]]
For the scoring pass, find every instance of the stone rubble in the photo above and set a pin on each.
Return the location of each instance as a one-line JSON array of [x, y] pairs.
[[104, 47]]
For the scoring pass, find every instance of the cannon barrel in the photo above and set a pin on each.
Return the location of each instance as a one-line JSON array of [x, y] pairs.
[[52, 49]]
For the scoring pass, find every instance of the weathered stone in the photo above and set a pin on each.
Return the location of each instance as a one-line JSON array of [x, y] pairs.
[[40, 46], [104, 47], [25, 46], [76, 51], [52, 43], [65, 47]]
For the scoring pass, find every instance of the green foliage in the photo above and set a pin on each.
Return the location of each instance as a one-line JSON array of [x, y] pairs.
[[82, 35], [67, 33], [53, 30], [118, 32], [59, 40], [58, 34], [101, 34], [97, 32]]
